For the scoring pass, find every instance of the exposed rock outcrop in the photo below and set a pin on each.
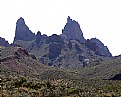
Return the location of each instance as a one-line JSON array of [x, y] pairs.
[[43, 39], [56, 38], [72, 30], [68, 50], [38, 37], [54, 50], [98, 47], [3, 42], [22, 31]]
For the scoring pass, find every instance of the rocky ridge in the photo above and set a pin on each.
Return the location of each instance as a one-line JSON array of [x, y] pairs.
[[70, 49], [3, 42], [98, 47]]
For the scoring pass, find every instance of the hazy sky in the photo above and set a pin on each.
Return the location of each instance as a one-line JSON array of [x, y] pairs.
[[97, 18]]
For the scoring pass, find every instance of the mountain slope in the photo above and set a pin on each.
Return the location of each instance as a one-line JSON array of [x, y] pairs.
[[109, 69], [17, 61], [64, 54]]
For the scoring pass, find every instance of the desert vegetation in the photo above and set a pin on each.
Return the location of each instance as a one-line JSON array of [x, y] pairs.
[[23, 86]]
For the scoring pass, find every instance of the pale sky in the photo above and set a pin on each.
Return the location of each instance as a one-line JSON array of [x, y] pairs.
[[97, 18]]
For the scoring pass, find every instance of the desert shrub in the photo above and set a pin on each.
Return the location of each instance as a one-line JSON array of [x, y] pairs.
[[19, 82], [72, 91]]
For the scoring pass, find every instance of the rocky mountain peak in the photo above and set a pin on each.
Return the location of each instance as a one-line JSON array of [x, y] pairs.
[[3, 42], [20, 22], [98, 47], [70, 49], [72, 31], [22, 31], [69, 19], [39, 33]]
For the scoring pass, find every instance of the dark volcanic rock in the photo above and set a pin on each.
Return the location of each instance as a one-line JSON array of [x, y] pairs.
[[98, 47], [78, 49], [72, 30], [70, 44], [44, 39], [68, 50], [56, 38], [22, 31], [3, 42], [54, 50], [38, 37]]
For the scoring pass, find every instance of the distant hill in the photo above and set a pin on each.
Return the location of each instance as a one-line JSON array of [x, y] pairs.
[[17, 61]]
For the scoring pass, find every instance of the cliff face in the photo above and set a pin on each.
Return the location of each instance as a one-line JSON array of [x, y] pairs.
[[98, 47], [72, 30], [22, 31]]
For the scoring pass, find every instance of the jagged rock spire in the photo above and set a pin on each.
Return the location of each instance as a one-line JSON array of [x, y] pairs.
[[22, 31], [72, 30], [38, 37], [69, 19]]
